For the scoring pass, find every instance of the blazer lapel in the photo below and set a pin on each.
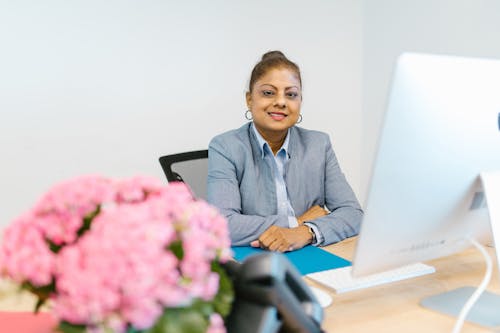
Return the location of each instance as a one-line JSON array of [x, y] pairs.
[[294, 172]]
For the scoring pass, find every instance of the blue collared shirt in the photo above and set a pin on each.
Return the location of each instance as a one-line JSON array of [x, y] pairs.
[[280, 161], [283, 202]]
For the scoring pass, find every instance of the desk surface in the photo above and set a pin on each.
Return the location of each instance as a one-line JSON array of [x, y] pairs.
[[390, 308], [395, 307]]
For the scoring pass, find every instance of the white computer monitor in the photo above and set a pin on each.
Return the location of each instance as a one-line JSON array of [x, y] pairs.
[[441, 130]]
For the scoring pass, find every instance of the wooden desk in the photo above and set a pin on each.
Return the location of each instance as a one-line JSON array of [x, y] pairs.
[[395, 307], [390, 308]]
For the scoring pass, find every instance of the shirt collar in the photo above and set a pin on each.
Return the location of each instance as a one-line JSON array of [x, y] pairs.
[[264, 146]]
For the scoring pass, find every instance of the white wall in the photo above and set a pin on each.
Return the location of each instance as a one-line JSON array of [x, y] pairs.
[[458, 27], [108, 86]]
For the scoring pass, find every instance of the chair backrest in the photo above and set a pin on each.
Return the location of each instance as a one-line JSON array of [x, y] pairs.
[[189, 167]]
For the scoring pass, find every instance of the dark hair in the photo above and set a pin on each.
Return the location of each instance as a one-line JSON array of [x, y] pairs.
[[271, 60]]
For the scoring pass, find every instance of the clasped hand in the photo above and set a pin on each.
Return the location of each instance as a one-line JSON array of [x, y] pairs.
[[288, 239]]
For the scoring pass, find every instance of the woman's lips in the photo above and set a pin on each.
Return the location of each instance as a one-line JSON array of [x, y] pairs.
[[277, 115]]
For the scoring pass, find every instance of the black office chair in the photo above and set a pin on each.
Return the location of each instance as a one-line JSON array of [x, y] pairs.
[[189, 167]]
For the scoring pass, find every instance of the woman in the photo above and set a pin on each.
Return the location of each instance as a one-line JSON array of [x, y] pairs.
[[279, 185]]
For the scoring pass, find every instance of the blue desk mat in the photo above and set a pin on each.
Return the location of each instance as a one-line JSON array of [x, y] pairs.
[[307, 260]]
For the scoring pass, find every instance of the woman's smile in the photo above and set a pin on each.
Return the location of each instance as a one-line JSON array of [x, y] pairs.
[[277, 115]]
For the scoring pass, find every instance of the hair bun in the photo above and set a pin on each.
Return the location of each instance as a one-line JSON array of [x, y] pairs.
[[272, 55], [272, 60]]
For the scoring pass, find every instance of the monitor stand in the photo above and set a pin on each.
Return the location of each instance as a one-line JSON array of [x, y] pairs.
[[485, 311], [491, 188]]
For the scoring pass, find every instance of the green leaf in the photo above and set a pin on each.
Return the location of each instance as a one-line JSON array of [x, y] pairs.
[[66, 327], [39, 304], [203, 307], [175, 320], [87, 221], [224, 299], [42, 293], [53, 247], [177, 250]]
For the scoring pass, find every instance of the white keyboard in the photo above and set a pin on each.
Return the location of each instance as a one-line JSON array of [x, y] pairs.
[[341, 280]]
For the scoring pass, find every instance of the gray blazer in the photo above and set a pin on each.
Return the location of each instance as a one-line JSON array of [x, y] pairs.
[[241, 184]]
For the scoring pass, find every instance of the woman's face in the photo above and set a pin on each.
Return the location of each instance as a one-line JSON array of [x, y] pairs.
[[275, 101]]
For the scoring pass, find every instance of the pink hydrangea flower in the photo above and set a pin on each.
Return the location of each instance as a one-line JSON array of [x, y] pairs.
[[60, 212], [22, 242], [121, 271], [216, 324], [137, 189]]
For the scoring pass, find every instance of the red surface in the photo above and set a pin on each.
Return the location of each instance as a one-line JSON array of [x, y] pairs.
[[26, 322]]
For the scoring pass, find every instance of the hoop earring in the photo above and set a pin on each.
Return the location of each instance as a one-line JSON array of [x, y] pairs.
[[248, 117], [300, 119]]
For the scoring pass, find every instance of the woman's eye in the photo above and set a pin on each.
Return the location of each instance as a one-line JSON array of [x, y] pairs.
[[292, 94], [267, 93]]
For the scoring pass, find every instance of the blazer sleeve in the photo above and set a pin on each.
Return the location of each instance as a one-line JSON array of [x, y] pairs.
[[223, 191], [344, 219]]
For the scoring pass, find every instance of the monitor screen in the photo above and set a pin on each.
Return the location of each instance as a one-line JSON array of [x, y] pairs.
[[441, 130]]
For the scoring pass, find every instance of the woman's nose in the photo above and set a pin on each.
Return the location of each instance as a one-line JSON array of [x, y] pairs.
[[280, 101]]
